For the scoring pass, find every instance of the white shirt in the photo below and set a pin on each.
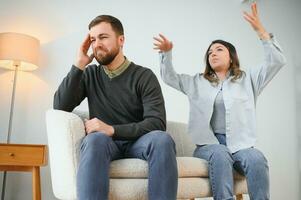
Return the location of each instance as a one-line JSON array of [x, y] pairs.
[[239, 98]]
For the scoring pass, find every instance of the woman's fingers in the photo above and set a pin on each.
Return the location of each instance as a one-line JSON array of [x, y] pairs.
[[163, 37], [248, 17], [162, 43], [157, 46], [253, 9], [158, 39]]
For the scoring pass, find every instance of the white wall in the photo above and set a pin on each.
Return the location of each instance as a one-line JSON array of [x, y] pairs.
[[192, 25]]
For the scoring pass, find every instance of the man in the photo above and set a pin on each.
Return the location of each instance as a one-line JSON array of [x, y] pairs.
[[127, 114]]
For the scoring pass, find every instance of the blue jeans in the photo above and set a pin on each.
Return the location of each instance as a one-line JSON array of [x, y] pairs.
[[98, 150], [249, 162]]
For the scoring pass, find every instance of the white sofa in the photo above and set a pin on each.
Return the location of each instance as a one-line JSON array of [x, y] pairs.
[[128, 177]]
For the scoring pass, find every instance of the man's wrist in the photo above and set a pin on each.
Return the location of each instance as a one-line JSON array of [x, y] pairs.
[[111, 130], [79, 65]]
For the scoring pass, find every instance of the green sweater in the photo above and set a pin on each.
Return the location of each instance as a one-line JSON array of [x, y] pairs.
[[131, 102]]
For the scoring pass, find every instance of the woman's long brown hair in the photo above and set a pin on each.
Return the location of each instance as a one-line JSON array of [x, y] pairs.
[[234, 68]]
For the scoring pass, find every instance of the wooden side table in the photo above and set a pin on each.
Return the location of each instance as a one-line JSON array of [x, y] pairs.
[[24, 157]]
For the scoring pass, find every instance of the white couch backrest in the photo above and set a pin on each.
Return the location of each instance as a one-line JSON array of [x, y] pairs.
[[179, 133], [177, 130]]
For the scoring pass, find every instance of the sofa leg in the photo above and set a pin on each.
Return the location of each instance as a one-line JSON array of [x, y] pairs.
[[239, 197]]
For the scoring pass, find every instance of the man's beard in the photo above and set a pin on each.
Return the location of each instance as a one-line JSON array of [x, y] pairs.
[[108, 57]]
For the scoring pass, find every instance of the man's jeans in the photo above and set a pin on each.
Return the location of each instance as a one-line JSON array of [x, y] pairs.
[[98, 150], [249, 162]]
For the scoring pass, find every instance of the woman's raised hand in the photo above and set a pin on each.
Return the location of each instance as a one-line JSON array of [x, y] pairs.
[[161, 43], [254, 21]]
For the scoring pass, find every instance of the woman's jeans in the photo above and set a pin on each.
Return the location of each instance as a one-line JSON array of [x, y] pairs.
[[98, 150], [249, 162]]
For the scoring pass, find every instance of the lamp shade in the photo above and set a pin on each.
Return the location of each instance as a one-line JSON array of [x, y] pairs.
[[19, 49]]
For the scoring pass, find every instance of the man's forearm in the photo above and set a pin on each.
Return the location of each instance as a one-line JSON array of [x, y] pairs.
[[133, 131]]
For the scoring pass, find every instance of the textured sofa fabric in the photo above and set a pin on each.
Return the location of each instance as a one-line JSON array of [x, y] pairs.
[[128, 177]]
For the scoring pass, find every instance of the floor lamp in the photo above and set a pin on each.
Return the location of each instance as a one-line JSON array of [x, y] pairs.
[[17, 52]]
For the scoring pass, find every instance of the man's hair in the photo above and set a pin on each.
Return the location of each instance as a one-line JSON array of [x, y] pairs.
[[115, 23]]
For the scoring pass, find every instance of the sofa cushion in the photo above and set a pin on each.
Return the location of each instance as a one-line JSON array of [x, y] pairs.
[[136, 168], [188, 188]]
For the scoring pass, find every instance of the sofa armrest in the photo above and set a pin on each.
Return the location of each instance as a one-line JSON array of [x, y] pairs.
[[65, 132]]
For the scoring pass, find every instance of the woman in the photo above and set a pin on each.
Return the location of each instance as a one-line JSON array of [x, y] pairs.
[[222, 109]]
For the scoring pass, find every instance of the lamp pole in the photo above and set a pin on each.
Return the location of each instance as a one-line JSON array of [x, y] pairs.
[[16, 64]]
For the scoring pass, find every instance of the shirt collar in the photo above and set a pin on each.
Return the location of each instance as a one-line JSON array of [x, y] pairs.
[[118, 71]]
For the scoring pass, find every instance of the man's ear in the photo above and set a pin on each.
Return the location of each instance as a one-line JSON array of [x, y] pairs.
[[121, 39]]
